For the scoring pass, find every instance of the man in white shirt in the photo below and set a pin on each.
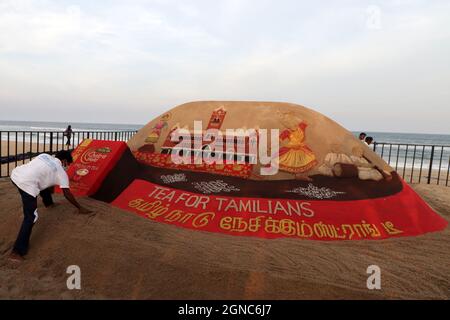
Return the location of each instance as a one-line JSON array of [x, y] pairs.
[[38, 177], [368, 141]]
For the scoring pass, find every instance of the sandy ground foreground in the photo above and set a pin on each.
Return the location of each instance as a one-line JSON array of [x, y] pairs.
[[124, 256]]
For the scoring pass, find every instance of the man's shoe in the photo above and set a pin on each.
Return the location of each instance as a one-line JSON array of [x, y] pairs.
[[15, 257]]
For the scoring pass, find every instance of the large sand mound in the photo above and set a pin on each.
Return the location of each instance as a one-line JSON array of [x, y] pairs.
[[322, 135], [124, 256]]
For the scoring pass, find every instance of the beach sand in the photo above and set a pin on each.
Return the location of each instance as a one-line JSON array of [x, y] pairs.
[[440, 177], [125, 256], [33, 147]]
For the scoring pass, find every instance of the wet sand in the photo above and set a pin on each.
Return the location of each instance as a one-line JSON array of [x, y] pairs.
[[123, 256]]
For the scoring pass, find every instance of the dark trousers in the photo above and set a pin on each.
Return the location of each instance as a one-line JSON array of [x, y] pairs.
[[30, 216]]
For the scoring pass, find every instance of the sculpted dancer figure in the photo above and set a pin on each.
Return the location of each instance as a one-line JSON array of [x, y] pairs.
[[295, 156]]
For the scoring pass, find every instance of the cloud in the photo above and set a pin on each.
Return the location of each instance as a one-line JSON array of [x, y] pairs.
[[150, 55], [30, 28]]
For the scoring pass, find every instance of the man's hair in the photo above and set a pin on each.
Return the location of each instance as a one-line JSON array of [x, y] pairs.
[[362, 134], [64, 155], [369, 139]]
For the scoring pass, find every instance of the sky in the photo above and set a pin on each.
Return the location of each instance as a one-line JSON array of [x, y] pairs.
[[369, 65]]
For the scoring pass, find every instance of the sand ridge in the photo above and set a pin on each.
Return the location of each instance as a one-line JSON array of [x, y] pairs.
[[123, 256]]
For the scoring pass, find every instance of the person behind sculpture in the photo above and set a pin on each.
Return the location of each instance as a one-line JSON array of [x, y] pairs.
[[295, 156], [368, 141], [362, 136], [68, 134]]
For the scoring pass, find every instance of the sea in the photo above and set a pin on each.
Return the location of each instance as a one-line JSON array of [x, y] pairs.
[[61, 126], [402, 152]]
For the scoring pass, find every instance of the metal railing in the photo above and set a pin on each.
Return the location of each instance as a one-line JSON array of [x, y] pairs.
[[417, 163], [19, 147]]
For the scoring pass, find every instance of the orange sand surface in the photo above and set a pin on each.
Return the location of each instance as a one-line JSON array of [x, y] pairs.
[[123, 256]]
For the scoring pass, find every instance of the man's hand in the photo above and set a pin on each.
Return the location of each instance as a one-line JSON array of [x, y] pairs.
[[69, 196]]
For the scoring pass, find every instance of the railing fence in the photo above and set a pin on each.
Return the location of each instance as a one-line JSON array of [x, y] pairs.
[[417, 163], [19, 147]]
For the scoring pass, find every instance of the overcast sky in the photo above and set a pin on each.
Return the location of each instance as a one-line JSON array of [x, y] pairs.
[[370, 65]]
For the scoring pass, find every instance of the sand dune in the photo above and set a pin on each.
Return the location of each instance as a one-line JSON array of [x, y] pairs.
[[125, 256]]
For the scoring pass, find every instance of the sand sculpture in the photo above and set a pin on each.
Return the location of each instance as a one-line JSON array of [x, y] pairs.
[[327, 186]]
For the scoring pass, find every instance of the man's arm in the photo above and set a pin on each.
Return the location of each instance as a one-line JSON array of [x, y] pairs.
[[69, 196]]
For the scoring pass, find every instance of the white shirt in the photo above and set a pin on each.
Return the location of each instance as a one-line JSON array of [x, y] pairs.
[[42, 172]]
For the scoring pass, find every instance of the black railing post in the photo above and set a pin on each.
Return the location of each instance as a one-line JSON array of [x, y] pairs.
[[51, 142], [8, 157], [430, 169], [440, 165]]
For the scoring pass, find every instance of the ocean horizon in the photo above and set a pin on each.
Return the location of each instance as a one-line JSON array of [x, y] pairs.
[[12, 125], [379, 136], [399, 146]]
